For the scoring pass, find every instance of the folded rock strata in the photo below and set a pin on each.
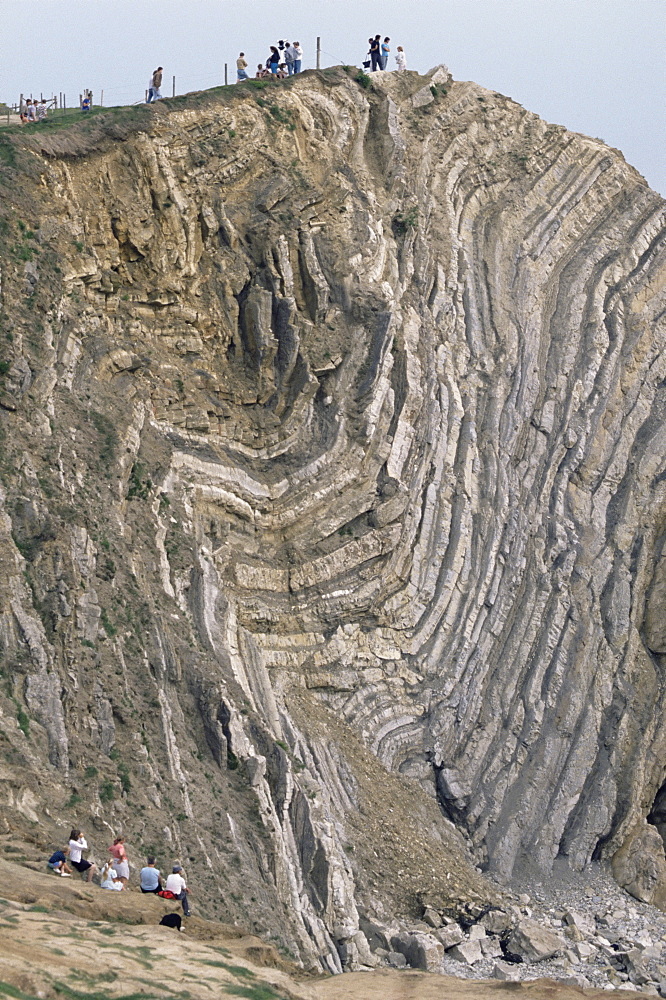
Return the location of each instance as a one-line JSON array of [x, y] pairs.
[[333, 492]]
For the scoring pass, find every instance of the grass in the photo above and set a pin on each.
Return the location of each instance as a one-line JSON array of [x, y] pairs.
[[108, 436], [66, 991], [363, 79], [260, 992], [107, 625], [23, 720], [107, 791], [138, 486], [235, 970], [7, 154], [12, 991]]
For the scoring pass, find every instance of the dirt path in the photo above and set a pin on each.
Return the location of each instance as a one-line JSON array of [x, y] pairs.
[[386, 985]]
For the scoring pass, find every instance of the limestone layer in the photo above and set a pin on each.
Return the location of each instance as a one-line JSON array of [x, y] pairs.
[[339, 410]]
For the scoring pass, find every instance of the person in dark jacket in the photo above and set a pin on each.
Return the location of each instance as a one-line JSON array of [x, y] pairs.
[[375, 53]]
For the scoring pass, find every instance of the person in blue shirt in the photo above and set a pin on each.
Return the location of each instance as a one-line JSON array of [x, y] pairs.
[[151, 880], [58, 863], [383, 62], [273, 60]]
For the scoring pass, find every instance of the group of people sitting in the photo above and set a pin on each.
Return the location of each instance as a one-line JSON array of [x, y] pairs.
[[285, 59], [115, 873], [33, 111]]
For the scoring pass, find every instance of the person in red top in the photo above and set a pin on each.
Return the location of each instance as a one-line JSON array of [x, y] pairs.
[[119, 855]]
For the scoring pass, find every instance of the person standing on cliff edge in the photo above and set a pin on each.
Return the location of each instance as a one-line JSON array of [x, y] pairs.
[[241, 68], [375, 53], [155, 84]]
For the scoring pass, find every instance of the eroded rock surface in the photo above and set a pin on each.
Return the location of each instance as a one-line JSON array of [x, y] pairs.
[[333, 495]]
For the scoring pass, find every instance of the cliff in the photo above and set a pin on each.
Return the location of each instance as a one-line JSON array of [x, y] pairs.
[[332, 482]]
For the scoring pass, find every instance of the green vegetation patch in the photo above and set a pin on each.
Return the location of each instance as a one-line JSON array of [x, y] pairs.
[[66, 991], [235, 970], [259, 992], [404, 221]]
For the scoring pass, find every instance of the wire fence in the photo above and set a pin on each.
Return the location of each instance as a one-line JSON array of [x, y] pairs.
[[171, 87]]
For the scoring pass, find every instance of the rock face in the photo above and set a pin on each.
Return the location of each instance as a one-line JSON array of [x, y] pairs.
[[332, 493]]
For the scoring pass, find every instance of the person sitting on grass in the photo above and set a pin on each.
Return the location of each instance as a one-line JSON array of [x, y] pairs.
[[41, 111], [151, 880], [77, 844], [110, 878], [58, 863], [85, 103], [176, 884]]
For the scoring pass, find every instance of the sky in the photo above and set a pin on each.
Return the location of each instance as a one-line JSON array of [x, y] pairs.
[[595, 66]]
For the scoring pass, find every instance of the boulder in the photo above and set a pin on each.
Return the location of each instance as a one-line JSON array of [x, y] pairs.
[[491, 948], [639, 866], [477, 932], [431, 917], [531, 942], [377, 936], [422, 97], [396, 960], [449, 936], [468, 952], [497, 921], [422, 951], [506, 971], [584, 924], [439, 74]]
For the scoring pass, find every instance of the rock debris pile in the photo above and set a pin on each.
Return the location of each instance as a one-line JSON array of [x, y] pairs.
[[587, 935]]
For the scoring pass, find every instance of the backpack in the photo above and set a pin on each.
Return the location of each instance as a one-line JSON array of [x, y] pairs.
[[166, 894]]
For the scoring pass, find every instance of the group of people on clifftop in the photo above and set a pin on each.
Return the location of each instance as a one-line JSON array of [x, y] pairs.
[[379, 52], [285, 59], [115, 873]]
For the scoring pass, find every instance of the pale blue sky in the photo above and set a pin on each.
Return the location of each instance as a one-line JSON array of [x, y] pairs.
[[595, 66]]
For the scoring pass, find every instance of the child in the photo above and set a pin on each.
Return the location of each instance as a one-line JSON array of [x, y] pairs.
[[401, 59], [109, 878], [85, 103], [58, 863]]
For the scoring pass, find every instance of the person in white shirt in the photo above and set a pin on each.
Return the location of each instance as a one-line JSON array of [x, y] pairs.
[[401, 58], [110, 878], [176, 884], [78, 843], [298, 56]]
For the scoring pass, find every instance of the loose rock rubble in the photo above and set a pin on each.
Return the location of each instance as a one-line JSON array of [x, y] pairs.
[[578, 930]]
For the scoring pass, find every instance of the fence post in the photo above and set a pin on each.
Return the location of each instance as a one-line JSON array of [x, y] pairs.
[[174, 87], [226, 81], [318, 52], [101, 100]]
